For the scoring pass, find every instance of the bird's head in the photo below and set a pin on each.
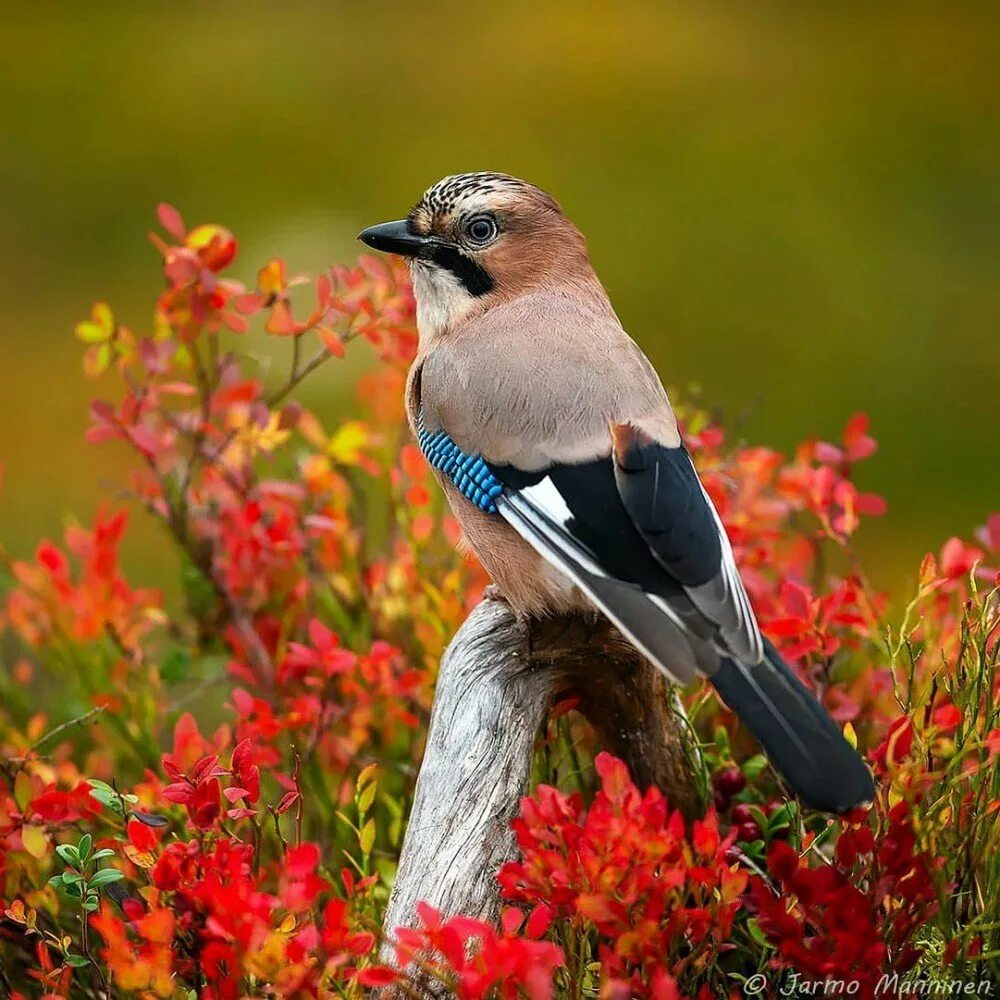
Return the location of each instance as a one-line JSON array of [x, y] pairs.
[[477, 239]]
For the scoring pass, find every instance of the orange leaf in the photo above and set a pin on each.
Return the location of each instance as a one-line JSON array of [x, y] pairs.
[[331, 341], [281, 322], [144, 859], [271, 277]]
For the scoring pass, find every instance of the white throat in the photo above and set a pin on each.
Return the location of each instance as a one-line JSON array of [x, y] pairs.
[[442, 300]]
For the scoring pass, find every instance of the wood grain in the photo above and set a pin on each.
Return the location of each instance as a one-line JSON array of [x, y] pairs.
[[498, 678]]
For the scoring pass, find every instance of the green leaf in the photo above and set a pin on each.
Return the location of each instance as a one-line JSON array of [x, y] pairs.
[[105, 877], [175, 665], [56, 881], [83, 848], [754, 765], [756, 933], [107, 798], [104, 852], [68, 853], [91, 904], [77, 961]]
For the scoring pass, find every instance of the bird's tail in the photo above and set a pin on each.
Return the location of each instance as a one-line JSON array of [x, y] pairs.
[[802, 741]]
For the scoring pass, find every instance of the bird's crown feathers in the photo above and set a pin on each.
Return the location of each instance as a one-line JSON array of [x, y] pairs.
[[481, 189]]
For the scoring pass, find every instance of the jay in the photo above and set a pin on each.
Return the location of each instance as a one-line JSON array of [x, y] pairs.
[[561, 459]]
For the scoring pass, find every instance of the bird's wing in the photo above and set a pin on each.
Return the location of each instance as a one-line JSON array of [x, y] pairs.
[[640, 520], [536, 388], [666, 501]]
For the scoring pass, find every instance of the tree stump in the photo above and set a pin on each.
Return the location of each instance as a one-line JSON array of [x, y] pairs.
[[499, 677]]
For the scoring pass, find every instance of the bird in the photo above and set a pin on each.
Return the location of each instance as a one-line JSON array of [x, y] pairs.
[[561, 458]]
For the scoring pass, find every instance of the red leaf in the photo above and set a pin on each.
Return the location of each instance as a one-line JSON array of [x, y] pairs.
[[377, 975], [171, 220], [287, 801], [180, 792]]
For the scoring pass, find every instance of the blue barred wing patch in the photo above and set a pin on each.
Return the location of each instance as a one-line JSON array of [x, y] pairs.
[[470, 474]]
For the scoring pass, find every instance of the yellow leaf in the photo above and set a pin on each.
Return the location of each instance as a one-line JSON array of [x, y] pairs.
[[851, 736], [367, 774], [24, 790], [287, 925], [367, 797], [367, 837], [100, 327], [103, 317], [347, 444], [35, 841], [90, 333]]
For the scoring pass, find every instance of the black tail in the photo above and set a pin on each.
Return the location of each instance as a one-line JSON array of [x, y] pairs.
[[802, 741]]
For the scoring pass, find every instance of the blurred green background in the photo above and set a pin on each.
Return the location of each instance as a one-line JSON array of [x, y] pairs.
[[794, 206]]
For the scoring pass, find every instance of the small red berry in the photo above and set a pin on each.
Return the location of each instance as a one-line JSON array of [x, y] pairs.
[[720, 801], [741, 813], [730, 780], [748, 831]]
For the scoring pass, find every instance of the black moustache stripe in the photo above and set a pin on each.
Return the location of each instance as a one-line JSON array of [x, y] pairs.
[[475, 279]]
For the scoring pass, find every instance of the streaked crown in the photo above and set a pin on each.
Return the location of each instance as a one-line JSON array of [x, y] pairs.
[[463, 194]]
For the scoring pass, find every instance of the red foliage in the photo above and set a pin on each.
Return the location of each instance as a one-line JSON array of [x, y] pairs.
[[476, 960], [854, 918], [657, 898], [314, 588]]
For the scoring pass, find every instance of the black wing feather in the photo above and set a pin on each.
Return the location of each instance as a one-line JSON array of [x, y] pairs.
[[664, 497], [644, 554]]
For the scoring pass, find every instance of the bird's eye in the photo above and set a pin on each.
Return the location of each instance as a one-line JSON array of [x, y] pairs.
[[482, 229]]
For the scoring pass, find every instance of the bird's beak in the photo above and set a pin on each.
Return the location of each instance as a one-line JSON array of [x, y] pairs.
[[395, 237]]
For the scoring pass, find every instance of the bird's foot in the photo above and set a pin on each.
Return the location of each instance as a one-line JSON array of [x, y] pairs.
[[492, 592]]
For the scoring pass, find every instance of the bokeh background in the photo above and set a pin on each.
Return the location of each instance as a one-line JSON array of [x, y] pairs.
[[794, 207]]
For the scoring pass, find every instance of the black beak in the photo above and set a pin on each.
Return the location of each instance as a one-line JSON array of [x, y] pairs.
[[395, 237]]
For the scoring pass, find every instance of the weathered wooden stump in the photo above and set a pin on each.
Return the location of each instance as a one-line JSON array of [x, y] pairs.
[[499, 677]]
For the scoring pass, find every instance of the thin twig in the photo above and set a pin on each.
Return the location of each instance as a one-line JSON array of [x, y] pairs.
[[52, 734], [298, 375]]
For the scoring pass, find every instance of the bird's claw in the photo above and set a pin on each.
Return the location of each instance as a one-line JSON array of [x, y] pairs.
[[493, 593]]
